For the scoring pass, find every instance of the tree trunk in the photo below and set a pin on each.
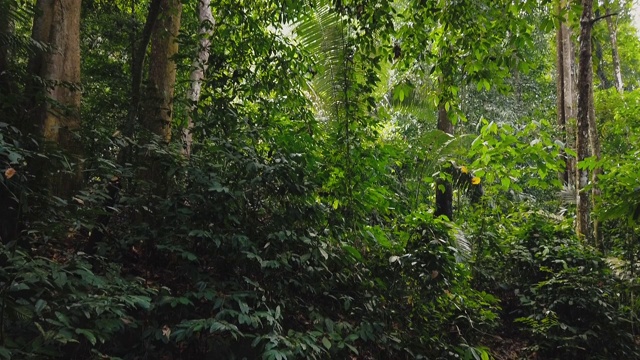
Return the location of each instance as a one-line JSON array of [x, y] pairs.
[[138, 56], [565, 93], [600, 70], [162, 69], [6, 30], [199, 68], [444, 188], [162, 77], [594, 142], [585, 85], [617, 72], [57, 24]]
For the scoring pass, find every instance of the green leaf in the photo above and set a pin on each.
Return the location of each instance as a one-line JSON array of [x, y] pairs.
[[353, 252], [326, 343], [60, 278], [62, 318], [506, 181], [40, 305], [379, 236], [87, 334]]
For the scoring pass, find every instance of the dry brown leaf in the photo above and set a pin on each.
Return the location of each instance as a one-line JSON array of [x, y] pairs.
[[9, 173]]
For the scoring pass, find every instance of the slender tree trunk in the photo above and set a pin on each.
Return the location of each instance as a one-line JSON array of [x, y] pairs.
[[6, 30], [444, 188], [594, 142], [8, 203], [617, 72], [566, 96], [57, 119], [139, 54], [585, 85], [602, 75], [200, 64]]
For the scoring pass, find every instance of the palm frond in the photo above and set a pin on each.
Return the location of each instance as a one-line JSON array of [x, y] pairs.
[[322, 34]]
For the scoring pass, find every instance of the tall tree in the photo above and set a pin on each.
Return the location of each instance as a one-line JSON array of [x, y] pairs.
[[56, 119], [594, 143], [138, 56], [162, 69], [207, 23], [600, 63], [161, 85], [566, 95], [613, 36], [585, 87]]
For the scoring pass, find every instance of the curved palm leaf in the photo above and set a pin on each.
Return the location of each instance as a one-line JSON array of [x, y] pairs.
[[322, 36]]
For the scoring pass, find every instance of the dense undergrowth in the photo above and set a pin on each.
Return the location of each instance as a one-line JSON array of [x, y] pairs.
[[301, 224], [242, 260]]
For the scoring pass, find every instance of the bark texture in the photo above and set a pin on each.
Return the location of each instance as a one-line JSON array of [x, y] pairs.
[[566, 94], [57, 24], [160, 91], [200, 64], [162, 69], [585, 87]]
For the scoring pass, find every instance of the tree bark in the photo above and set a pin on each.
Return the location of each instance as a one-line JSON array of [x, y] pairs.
[[585, 85], [617, 72], [162, 70], [162, 77], [566, 96], [594, 142], [57, 24], [444, 188], [200, 65]]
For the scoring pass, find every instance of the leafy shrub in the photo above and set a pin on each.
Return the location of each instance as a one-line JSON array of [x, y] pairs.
[[568, 298], [445, 313], [52, 308]]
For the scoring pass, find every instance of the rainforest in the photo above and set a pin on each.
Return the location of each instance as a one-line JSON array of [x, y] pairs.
[[319, 179]]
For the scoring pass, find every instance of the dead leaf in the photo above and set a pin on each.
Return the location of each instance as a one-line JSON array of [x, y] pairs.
[[9, 173]]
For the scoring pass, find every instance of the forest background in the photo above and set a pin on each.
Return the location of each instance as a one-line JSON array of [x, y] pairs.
[[346, 179]]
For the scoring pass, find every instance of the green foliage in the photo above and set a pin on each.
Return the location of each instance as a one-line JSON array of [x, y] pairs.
[[568, 298], [52, 307], [300, 226], [517, 158], [438, 284]]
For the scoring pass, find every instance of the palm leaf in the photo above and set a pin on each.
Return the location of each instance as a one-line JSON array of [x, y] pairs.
[[322, 34]]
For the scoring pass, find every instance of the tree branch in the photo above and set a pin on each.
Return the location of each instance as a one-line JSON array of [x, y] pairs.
[[593, 21]]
